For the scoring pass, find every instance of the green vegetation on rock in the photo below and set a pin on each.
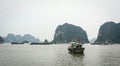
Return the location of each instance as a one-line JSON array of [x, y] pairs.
[[69, 33], [109, 32]]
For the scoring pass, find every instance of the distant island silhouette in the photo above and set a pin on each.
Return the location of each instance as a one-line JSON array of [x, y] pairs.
[[109, 32], [19, 39], [1, 40]]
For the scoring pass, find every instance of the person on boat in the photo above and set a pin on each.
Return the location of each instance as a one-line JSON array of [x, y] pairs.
[[73, 46]]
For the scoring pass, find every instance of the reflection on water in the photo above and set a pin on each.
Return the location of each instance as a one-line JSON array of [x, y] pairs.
[[76, 55], [58, 55]]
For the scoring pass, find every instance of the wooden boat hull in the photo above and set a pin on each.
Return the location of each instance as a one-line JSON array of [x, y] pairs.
[[76, 50]]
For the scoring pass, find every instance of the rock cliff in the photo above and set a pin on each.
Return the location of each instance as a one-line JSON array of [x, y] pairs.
[[109, 32], [69, 33]]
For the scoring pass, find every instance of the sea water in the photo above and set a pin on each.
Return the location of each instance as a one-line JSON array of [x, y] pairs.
[[58, 55]]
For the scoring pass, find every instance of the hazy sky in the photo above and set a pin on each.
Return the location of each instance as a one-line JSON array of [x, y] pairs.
[[41, 17]]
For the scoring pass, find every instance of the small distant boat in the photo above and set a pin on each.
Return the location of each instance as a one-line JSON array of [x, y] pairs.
[[40, 43], [17, 43], [76, 48], [106, 43]]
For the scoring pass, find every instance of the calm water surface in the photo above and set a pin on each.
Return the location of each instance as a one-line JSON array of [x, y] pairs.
[[57, 55]]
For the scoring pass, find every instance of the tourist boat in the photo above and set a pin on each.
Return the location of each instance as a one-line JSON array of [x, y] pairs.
[[75, 48]]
